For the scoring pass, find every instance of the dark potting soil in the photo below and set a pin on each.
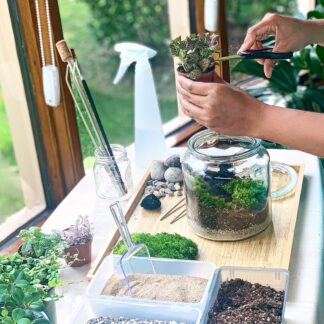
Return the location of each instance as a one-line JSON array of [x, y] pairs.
[[239, 301]]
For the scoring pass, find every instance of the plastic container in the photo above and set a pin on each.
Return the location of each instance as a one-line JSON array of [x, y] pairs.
[[94, 308], [162, 266], [275, 278]]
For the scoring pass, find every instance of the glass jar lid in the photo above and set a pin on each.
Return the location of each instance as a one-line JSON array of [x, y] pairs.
[[208, 145]]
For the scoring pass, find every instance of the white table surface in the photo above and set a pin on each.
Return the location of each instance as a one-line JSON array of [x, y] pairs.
[[306, 289]]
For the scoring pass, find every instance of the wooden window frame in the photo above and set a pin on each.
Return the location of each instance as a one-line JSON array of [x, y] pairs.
[[55, 132]]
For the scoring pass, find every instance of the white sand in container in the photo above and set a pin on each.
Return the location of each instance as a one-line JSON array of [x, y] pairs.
[[173, 288]]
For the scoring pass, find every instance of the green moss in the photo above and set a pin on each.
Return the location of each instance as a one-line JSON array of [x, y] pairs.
[[242, 192], [163, 245]]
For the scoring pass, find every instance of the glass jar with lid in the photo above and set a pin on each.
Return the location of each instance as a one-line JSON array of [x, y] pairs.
[[106, 174], [227, 185]]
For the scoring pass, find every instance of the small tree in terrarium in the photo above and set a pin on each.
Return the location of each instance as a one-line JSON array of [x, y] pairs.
[[195, 53]]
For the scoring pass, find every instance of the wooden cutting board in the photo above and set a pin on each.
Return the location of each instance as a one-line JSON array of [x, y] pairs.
[[270, 249]]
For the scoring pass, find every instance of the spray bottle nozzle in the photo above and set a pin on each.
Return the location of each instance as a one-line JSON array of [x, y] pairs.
[[129, 53]]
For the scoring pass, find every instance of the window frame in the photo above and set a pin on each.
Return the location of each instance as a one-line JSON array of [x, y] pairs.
[[55, 133]]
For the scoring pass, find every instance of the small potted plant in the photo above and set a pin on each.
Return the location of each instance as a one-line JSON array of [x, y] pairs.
[[195, 53], [78, 238]]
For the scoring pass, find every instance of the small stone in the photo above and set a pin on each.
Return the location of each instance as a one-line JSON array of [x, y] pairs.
[[157, 193], [173, 175], [169, 192], [171, 186], [173, 161], [177, 186], [151, 202], [179, 193], [162, 192], [157, 171]]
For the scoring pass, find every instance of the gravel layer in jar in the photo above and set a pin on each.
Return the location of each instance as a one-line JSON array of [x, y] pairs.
[[227, 209], [124, 320], [173, 288], [239, 301]]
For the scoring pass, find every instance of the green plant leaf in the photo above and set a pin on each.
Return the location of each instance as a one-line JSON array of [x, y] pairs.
[[18, 295], [315, 14], [249, 67], [313, 62], [37, 306], [7, 320], [284, 78], [4, 312], [41, 321], [21, 283], [17, 314], [320, 51], [24, 321]]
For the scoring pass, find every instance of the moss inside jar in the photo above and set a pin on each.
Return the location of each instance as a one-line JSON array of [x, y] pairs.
[[227, 186]]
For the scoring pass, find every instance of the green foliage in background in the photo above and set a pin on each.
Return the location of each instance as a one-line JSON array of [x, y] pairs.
[[163, 245], [248, 12], [141, 21]]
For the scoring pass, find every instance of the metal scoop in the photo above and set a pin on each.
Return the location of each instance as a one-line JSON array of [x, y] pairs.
[[127, 262]]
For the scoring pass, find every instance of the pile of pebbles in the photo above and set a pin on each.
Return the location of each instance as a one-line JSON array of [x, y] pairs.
[[166, 178], [124, 320]]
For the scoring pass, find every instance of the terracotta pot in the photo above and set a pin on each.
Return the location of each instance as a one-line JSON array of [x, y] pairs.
[[82, 252], [205, 77]]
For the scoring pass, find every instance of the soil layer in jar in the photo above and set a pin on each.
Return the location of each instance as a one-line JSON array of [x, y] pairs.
[[239, 301]]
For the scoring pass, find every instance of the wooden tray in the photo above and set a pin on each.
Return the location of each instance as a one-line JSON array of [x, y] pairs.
[[270, 249]]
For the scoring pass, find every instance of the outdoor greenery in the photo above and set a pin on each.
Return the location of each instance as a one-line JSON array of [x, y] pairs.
[[92, 33], [163, 245], [237, 192]]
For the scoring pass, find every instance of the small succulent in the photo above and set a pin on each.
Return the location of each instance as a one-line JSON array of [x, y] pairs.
[[78, 233], [195, 53]]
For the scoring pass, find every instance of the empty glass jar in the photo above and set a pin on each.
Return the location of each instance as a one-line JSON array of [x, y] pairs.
[[106, 174], [227, 184]]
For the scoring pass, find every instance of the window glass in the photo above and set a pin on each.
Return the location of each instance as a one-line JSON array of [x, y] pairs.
[[92, 28], [244, 13], [11, 197]]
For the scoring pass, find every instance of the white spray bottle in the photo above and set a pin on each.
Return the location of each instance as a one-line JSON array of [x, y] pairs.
[[149, 137]]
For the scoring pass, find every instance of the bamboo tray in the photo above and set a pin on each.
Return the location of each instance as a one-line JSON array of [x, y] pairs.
[[270, 249]]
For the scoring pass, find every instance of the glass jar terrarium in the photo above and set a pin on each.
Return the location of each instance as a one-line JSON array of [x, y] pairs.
[[227, 184], [106, 174]]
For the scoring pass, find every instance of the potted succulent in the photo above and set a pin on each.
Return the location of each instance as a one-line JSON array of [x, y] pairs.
[[78, 238], [195, 53]]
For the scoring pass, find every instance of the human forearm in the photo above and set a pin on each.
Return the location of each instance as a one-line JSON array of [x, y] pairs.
[[297, 129], [315, 31]]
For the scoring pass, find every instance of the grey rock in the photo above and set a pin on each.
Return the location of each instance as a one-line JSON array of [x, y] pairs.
[[171, 186], [162, 192], [173, 161], [173, 175], [157, 171], [177, 186], [179, 193]]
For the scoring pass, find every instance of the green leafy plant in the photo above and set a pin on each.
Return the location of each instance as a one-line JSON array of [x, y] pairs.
[[195, 53], [298, 81], [22, 294], [163, 245], [239, 192], [37, 244]]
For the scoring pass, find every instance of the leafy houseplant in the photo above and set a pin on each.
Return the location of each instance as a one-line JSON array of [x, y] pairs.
[[78, 238], [163, 245], [195, 53], [27, 279]]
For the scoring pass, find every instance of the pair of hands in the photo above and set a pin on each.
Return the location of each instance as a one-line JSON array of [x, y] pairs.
[[226, 109]]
